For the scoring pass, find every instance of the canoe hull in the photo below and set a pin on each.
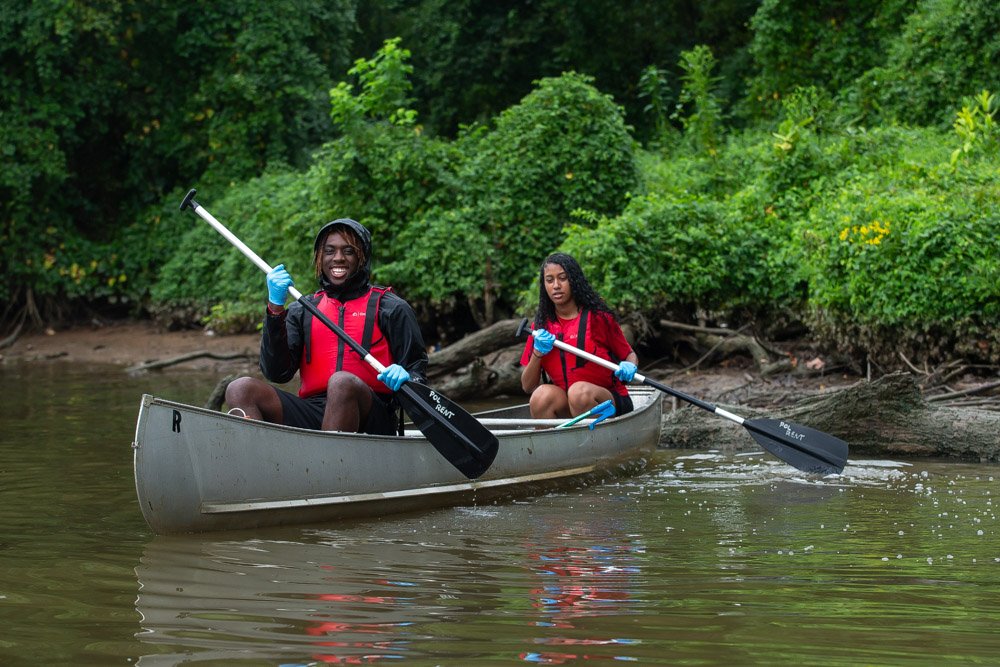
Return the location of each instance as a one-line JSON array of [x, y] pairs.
[[199, 470]]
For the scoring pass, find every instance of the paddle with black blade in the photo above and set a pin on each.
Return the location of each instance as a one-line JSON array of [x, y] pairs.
[[457, 435], [800, 446]]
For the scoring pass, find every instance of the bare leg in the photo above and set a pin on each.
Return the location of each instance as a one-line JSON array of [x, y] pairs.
[[256, 398], [348, 402], [583, 396], [548, 402]]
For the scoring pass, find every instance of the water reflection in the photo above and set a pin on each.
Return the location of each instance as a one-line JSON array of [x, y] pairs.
[[577, 582], [269, 599], [704, 558], [378, 592]]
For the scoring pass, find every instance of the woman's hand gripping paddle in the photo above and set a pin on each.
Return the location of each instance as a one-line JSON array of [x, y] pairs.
[[800, 446], [457, 435]]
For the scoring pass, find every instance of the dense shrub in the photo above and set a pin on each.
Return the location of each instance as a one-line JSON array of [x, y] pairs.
[[275, 215], [903, 259], [683, 257], [946, 49], [108, 106], [381, 171], [825, 43], [564, 147], [876, 239]]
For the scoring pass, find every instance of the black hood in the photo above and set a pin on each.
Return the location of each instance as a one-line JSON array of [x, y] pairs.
[[358, 283]]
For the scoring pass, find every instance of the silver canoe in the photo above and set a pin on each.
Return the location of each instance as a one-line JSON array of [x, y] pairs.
[[199, 470]]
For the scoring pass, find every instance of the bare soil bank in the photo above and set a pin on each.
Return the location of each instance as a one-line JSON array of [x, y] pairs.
[[130, 344]]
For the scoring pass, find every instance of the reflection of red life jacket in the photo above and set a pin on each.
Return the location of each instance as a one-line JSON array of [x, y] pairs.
[[565, 368], [327, 353]]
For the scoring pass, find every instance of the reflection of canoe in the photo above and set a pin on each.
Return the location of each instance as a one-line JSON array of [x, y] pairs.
[[200, 470]]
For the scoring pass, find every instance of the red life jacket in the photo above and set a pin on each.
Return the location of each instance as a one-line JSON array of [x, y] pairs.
[[565, 368], [325, 353]]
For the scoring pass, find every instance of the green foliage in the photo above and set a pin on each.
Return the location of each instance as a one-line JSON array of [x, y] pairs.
[[564, 147], [444, 257], [825, 43], [474, 58], [905, 255], [977, 128], [382, 172], [112, 110], [653, 88], [234, 317], [386, 177], [703, 122], [277, 215], [868, 236], [108, 107], [945, 49], [801, 158], [689, 257], [385, 84], [660, 253]]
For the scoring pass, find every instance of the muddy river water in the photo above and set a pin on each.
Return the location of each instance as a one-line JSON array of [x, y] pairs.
[[701, 559]]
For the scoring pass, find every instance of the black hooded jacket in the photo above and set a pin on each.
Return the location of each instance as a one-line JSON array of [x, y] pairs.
[[287, 335]]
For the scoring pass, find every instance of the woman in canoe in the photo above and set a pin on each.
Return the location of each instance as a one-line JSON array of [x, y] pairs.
[[339, 391], [561, 384]]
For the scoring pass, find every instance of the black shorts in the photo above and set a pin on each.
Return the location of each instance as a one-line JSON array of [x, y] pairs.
[[383, 418], [623, 404]]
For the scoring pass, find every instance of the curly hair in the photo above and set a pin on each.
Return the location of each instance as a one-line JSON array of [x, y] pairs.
[[583, 294]]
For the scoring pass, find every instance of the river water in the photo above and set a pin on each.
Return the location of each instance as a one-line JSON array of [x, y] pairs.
[[702, 559]]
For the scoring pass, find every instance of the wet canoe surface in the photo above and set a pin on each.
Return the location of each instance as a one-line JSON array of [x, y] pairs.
[[200, 470]]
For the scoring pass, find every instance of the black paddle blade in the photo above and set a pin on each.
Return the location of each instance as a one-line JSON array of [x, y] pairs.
[[457, 435], [805, 448]]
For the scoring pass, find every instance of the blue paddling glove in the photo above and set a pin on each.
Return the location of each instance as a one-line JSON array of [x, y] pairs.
[[626, 371], [394, 376], [543, 341], [278, 282]]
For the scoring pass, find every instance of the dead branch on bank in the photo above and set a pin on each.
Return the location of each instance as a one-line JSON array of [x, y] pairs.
[[12, 338], [153, 365], [718, 343], [934, 384]]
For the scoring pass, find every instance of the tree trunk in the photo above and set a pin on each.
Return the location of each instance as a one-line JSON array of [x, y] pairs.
[[886, 417]]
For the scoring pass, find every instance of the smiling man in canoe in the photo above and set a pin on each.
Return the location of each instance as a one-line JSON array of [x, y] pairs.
[[339, 391]]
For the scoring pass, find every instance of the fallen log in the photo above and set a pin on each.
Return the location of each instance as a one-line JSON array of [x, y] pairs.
[[486, 341], [484, 364], [502, 377], [887, 417]]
